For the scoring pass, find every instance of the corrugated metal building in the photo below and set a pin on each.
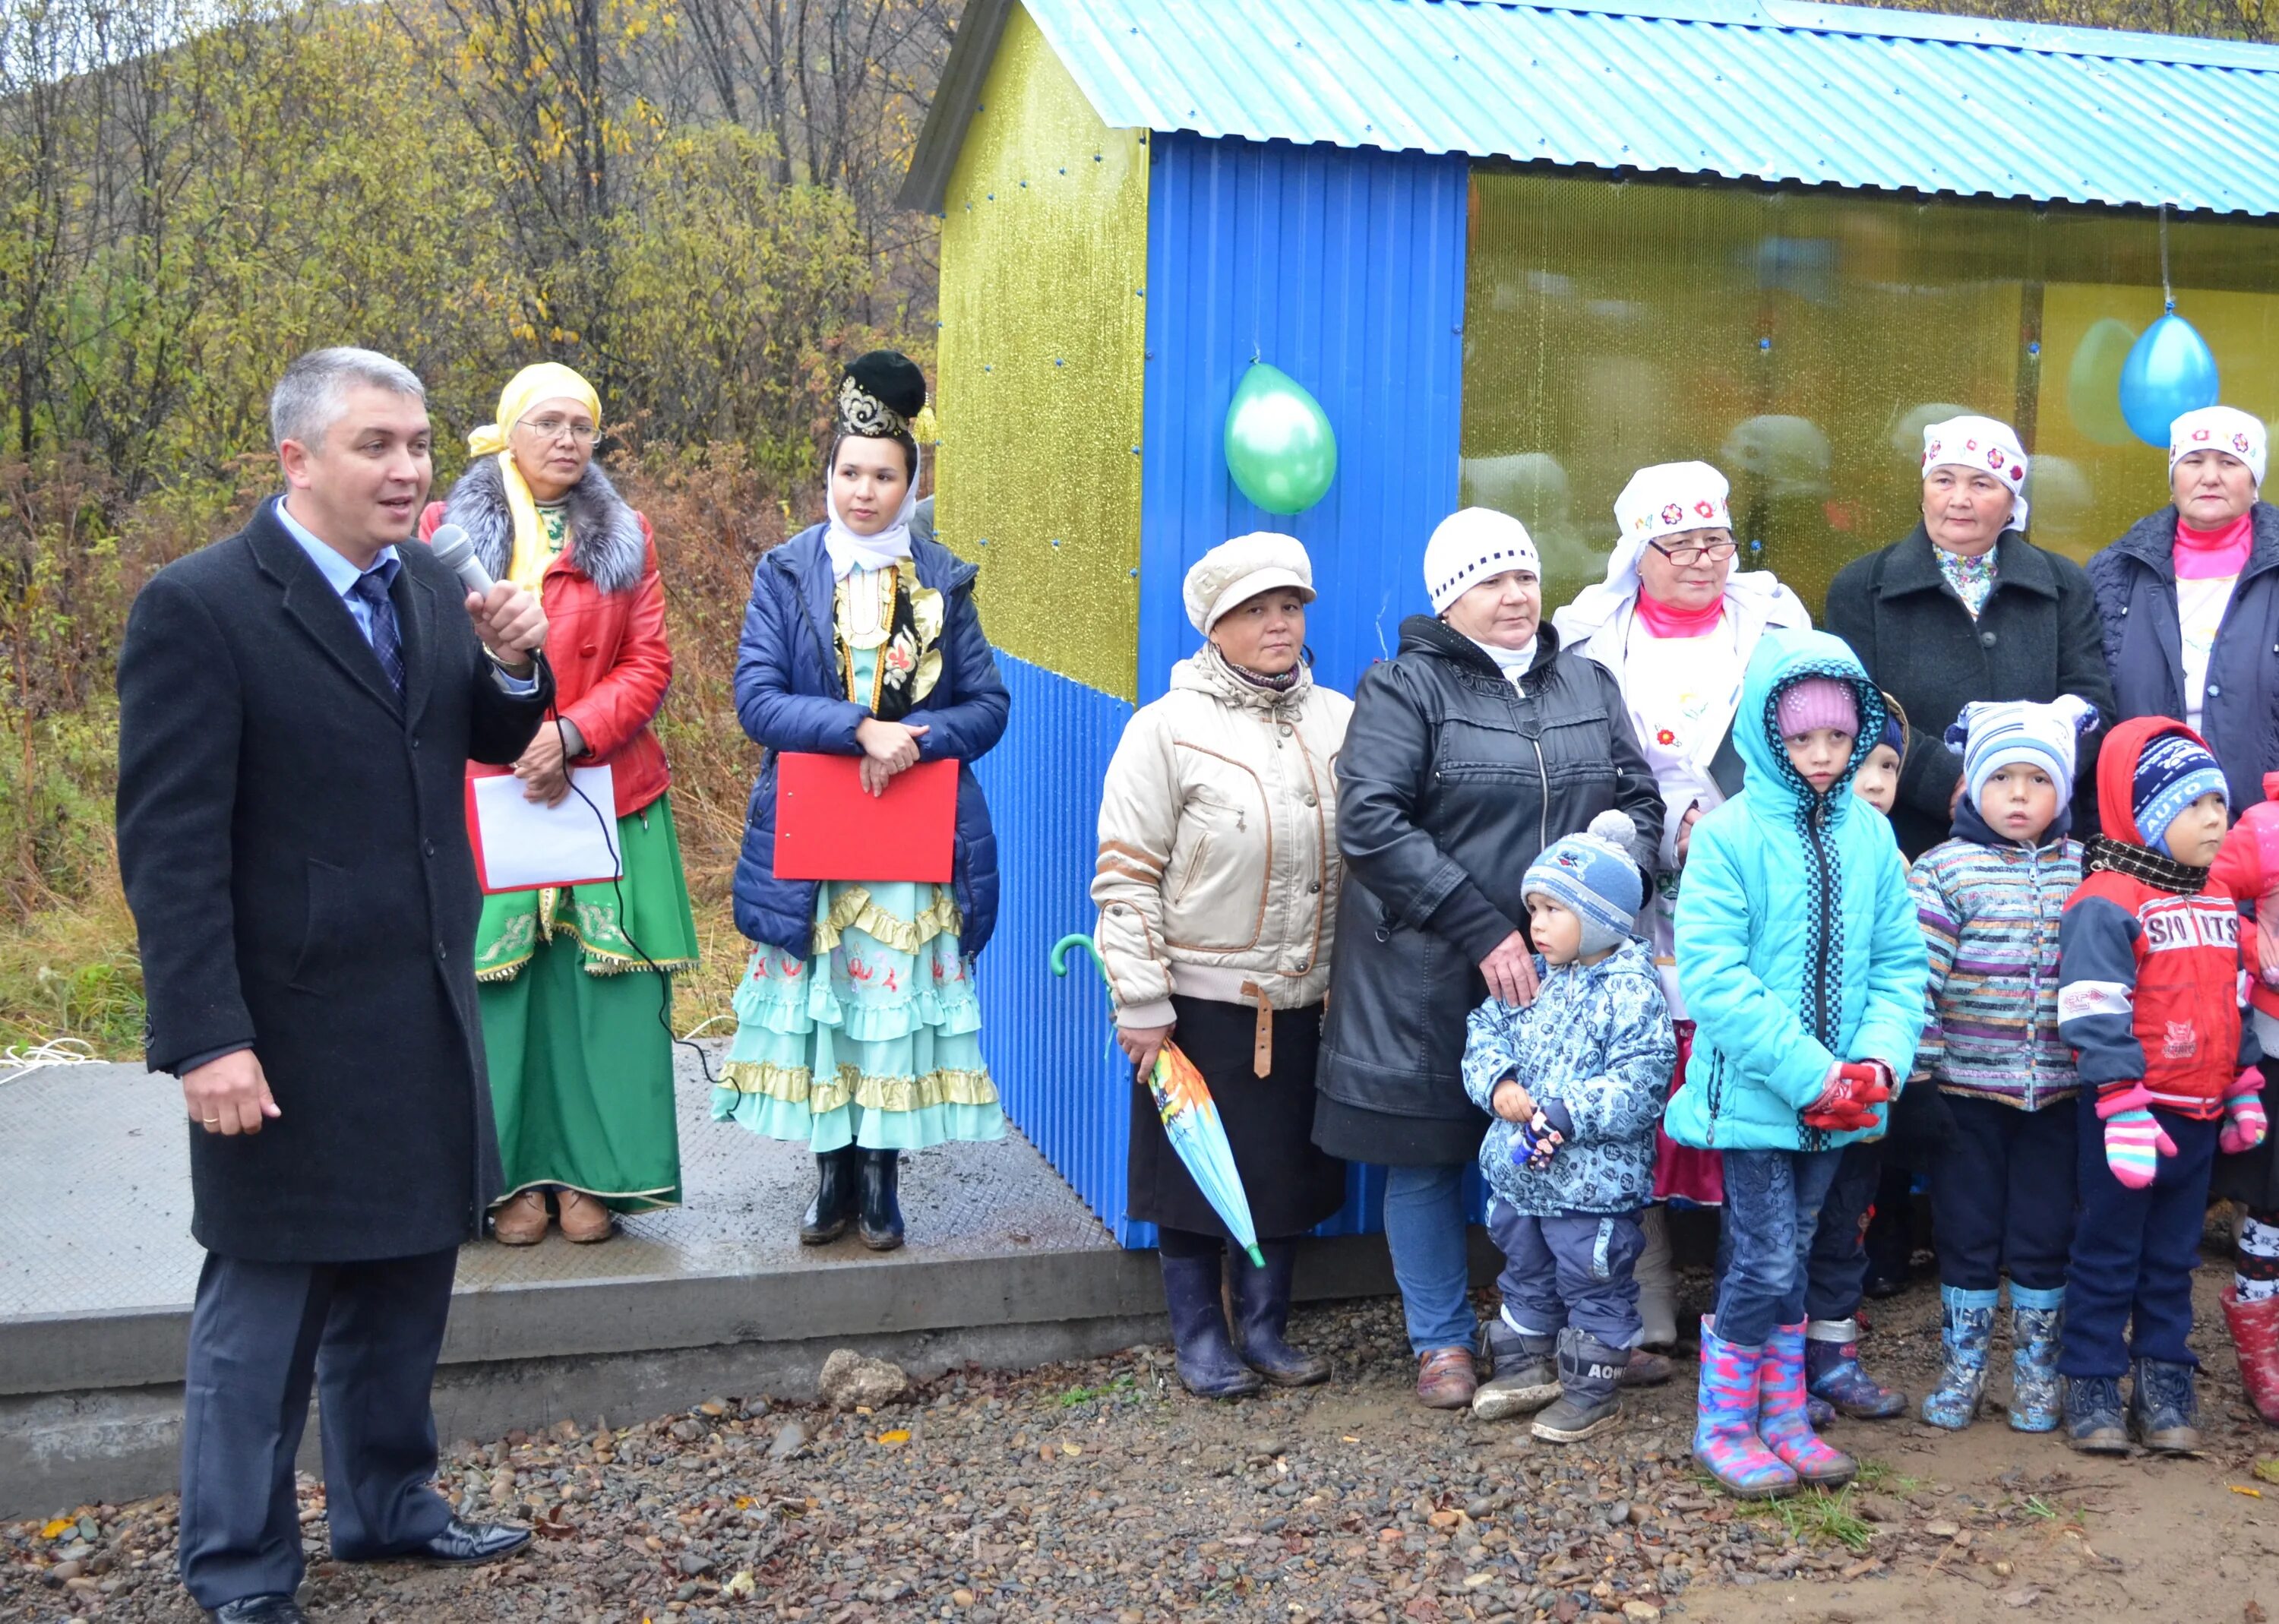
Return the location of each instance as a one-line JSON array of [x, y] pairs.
[[1516, 251]]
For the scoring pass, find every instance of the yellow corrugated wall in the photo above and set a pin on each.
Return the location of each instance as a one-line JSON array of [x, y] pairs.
[[1044, 256]]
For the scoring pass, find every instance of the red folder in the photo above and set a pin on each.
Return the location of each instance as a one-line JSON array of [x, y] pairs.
[[829, 827]]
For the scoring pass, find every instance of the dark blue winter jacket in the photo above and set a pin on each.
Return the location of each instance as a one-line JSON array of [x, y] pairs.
[[2135, 580], [790, 696]]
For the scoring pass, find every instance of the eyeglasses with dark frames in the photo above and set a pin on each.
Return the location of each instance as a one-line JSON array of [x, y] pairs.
[[1693, 553]]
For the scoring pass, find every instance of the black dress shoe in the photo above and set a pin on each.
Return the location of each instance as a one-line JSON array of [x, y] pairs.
[[467, 1544], [259, 1610]]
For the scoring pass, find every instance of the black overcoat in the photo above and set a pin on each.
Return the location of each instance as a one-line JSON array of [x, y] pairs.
[[2037, 637], [293, 840]]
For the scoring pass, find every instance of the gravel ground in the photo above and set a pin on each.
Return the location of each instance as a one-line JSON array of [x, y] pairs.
[[1103, 1492]]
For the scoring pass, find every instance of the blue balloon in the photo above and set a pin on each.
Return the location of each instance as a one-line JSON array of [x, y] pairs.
[[2169, 372]]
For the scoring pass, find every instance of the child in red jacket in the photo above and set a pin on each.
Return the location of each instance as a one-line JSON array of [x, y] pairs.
[[2248, 866], [2149, 995]]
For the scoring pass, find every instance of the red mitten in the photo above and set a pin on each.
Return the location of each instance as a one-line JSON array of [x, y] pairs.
[[1847, 1102]]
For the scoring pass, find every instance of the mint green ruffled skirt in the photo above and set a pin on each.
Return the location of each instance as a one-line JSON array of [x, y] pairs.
[[874, 1040]]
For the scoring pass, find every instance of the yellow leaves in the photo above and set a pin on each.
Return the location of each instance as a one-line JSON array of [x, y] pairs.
[[57, 1529], [2267, 1470], [742, 1585], [900, 1434]]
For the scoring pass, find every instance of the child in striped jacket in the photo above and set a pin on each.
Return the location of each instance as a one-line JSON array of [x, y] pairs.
[[1990, 900]]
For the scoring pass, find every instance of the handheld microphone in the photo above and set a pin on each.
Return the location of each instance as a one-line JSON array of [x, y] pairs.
[[452, 548]]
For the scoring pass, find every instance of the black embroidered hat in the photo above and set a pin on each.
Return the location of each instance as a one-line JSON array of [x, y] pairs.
[[881, 396]]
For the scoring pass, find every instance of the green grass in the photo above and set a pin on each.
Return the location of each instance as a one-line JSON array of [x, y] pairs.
[[1076, 1396], [1878, 1477], [1816, 1516], [71, 972]]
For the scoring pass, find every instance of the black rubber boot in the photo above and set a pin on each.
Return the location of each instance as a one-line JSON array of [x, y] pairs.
[[834, 1207], [1589, 1400], [1262, 1313], [1207, 1360], [881, 1223]]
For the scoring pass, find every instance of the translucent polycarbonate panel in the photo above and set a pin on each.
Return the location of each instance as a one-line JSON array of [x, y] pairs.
[[1799, 341]]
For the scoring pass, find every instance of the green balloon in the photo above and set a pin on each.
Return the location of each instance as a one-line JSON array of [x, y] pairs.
[[2093, 382], [1280, 446]]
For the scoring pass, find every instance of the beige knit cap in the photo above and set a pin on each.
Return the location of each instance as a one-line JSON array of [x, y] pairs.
[[1236, 571]]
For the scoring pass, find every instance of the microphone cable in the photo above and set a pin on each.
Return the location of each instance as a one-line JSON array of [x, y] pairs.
[[625, 925]]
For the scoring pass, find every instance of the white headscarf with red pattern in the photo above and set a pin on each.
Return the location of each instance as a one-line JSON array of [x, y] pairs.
[[1986, 445]]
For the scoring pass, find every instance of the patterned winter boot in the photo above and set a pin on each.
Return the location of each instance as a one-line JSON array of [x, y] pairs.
[[2034, 1402], [2164, 1412], [2255, 1335], [1967, 1320], [1781, 1417], [1832, 1372], [1725, 1440]]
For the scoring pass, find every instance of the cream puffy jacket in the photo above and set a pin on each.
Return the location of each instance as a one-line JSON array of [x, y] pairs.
[[1218, 868]]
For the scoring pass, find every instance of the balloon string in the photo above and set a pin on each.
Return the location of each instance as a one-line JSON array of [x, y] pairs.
[[2167, 294]]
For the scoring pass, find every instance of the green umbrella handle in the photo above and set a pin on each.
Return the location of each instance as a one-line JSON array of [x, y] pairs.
[[1257, 1258], [1060, 953]]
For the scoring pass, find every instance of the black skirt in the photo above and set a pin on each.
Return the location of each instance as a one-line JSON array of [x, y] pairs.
[[1268, 1121], [2253, 1176]]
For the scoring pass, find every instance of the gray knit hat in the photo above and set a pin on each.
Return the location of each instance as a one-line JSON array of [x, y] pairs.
[[1592, 877]]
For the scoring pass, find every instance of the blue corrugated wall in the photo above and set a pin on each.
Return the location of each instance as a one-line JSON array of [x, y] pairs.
[[1049, 1041], [1346, 269]]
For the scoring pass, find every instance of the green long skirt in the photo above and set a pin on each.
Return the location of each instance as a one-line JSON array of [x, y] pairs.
[[577, 1026]]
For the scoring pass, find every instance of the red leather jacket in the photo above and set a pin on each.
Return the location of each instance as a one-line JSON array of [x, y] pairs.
[[611, 667]]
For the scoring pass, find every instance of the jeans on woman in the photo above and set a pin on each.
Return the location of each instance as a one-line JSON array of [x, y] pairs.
[[1425, 1232], [1772, 1208]]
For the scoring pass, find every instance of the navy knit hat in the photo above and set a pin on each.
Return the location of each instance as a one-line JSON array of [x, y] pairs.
[[1894, 737], [2173, 770], [1592, 877]]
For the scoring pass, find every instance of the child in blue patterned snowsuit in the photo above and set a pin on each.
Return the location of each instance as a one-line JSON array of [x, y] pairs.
[[1575, 1082]]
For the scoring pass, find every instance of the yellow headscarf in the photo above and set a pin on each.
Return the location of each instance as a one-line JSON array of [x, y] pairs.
[[548, 380]]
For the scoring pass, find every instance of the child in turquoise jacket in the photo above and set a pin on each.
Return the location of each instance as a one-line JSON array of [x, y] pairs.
[[1796, 935]]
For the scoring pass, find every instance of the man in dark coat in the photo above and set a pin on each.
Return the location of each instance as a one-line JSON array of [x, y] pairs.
[[297, 705]]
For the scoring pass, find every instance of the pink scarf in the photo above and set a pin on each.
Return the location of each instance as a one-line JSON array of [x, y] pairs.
[[1663, 621], [2203, 555]]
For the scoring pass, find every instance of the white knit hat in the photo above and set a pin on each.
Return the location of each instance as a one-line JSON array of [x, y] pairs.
[[1235, 571], [1468, 547], [1990, 735], [1669, 497], [1986, 445], [2220, 428]]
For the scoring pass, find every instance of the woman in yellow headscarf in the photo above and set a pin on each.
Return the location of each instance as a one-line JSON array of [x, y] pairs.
[[574, 980]]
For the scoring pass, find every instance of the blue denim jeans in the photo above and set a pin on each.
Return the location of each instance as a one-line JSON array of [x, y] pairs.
[[1772, 1209], [1425, 1232]]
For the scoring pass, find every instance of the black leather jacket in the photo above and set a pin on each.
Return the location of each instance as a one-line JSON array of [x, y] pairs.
[[1450, 783]]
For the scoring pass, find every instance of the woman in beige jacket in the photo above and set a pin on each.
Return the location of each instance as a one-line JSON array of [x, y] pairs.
[[1218, 886]]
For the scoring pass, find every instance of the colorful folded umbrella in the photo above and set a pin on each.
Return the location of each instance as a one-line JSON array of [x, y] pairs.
[[1191, 1121]]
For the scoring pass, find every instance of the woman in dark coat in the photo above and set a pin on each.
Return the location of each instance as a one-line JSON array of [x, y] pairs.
[[2189, 603], [857, 1025], [1476, 747], [1964, 608], [1967, 609]]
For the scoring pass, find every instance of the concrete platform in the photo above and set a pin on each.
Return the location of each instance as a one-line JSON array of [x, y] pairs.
[[1005, 1266]]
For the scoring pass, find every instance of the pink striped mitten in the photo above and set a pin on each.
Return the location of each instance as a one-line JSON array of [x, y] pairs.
[[2133, 1136]]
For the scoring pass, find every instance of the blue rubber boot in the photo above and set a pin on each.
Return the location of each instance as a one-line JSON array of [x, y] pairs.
[[1207, 1364], [1966, 1319], [1833, 1374], [2035, 1406]]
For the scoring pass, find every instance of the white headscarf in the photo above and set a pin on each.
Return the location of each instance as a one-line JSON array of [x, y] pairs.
[[1658, 500], [1984, 446], [849, 552], [2220, 428]]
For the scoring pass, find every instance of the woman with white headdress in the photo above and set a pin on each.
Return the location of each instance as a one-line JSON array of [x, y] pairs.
[[1675, 626], [857, 1025], [2189, 601]]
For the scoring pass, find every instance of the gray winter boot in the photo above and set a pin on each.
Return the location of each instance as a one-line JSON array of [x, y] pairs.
[[1590, 1400], [1524, 1379]]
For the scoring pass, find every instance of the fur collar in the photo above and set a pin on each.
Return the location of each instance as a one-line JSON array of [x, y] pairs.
[[606, 544]]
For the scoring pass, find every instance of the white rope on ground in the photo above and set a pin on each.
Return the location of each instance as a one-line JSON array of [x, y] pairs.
[[701, 1025], [55, 1051]]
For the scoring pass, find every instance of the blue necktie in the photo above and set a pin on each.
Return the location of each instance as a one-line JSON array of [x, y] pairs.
[[371, 586]]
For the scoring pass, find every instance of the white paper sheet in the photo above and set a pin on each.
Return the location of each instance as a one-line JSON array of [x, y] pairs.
[[525, 844]]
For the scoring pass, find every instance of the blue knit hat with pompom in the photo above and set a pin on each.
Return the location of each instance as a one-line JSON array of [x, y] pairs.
[[1594, 877]]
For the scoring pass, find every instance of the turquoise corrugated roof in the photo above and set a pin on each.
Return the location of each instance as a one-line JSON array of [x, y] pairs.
[[1746, 89]]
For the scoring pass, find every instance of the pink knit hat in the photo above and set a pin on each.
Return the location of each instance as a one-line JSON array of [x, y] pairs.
[[1817, 701]]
